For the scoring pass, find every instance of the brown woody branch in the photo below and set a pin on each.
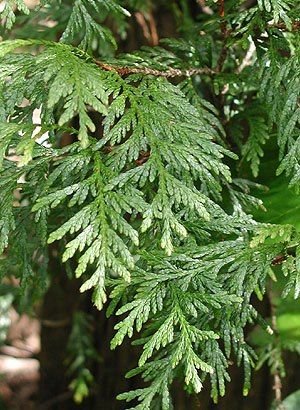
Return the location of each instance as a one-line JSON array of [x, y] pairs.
[[176, 72], [169, 73]]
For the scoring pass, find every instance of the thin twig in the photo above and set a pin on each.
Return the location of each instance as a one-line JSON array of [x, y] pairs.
[[67, 395], [277, 386], [221, 4], [282, 26], [205, 8], [169, 73], [55, 400], [55, 323], [247, 60], [223, 55], [225, 34]]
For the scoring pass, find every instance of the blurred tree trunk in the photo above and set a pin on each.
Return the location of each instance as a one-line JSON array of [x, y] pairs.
[[58, 306]]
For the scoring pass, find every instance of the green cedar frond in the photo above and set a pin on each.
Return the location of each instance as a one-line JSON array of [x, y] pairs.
[[280, 88], [278, 8], [68, 79], [81, 353], [145, 203], [177, 300], [83, 22], [8, 13], [252, 150], [101, 229], [290, 268]]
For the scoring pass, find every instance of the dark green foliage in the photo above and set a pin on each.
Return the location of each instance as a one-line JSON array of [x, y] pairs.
[[150, 204], [81, 353]]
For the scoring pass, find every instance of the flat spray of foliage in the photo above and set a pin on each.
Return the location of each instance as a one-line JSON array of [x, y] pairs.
[[150, 205]]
